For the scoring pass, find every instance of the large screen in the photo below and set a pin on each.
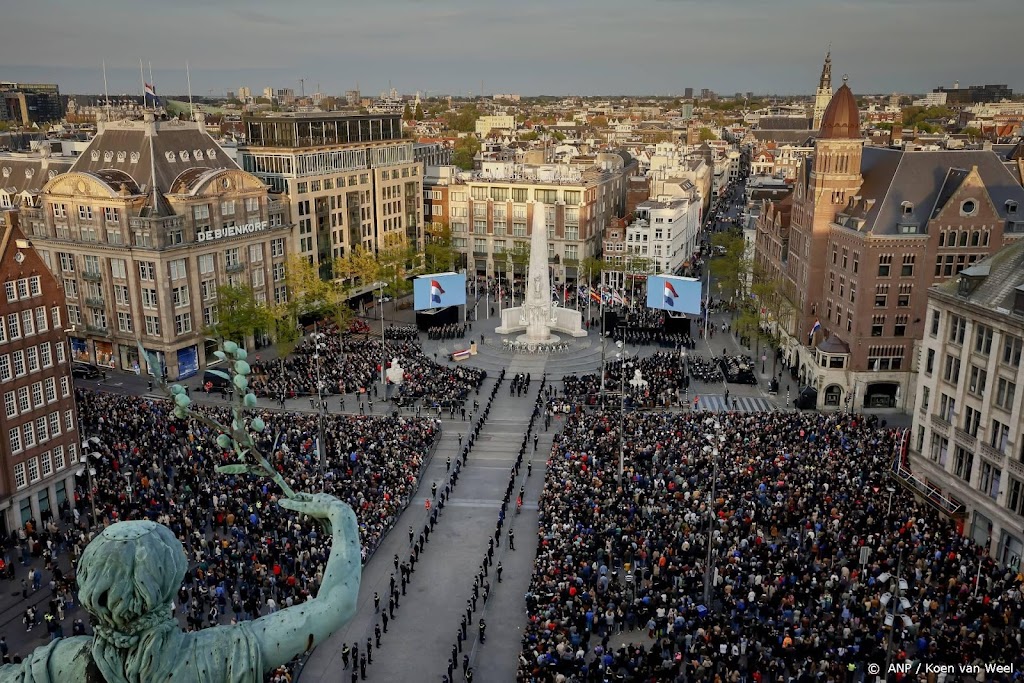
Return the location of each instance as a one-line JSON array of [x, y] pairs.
[[439, 290], [671, 293]]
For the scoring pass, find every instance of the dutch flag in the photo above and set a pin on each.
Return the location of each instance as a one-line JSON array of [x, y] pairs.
[[150, 91], [810, 335], [435, 292], [670, 295]]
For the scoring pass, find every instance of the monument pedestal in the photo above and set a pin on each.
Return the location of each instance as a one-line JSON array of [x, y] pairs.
[[565, 320]]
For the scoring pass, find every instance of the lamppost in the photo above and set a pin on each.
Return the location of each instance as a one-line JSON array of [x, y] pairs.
[[383, 343], [901, 603], [511, 279], [88, 447], [891, 490], [318, 347], [604, 338], [711, 450], [622, 406]]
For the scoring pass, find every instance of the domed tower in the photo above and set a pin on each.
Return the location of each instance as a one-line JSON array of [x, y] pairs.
[[835, 173], [824, 94]]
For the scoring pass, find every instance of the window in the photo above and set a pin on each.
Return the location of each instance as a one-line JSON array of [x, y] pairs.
[[19, 363], [206, 264], [33, 470], [47, 462], [278, 272], [258, 277], [74, 314], [28, 434], [979, 378], [19, 474], [50, 385], [957, 329], [147, 270], [1005, 392], [180, 296], [990, 476], [42, 433], [210, 316], [41, 324], [926, 394], [85, 213], [227, 208], [877, 325], [930, 362], [58, 458], [65, 387], [14, 437], [231, 257], [907, 270], [24, 402], [5, 368], [152, 325], [69, 426], [972, 420], [884, 265], [121, 295], [32, 354], [55, 317], [124, 321], [983, 340], [252, 204], [1011, 351], [999, 436], [119, 268], [10, 405], [900, 328], [255, 253], [13, 326], [60, 210], [183, 323], [208, 289], [968, 207], [951, 373], [60, 352], [149, 298], [936, 317], [177, 269], [963, 462], [277, 248], [519, 194], [46, 353], [12, 293], [28, 322]]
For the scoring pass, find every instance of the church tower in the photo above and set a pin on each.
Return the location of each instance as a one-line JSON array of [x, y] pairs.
[[824, 94]]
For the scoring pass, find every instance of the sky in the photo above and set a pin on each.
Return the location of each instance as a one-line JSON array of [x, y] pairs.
[[558, 47]]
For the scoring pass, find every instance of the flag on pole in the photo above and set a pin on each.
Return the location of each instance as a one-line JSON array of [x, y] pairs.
[[617, 297], [595, 296], [810, 335], [150, 92], [583, 292], [606, 296]]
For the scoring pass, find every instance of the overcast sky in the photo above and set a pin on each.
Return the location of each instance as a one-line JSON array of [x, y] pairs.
[[525, 46]]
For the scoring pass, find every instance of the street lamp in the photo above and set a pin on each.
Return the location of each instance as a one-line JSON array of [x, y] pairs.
[[318, 347], [88, 447], [901, 603], [712, 451]]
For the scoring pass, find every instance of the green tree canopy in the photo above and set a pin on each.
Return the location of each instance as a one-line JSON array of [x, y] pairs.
[[239, 315], [465, 149], [439, 253], [707, 134]]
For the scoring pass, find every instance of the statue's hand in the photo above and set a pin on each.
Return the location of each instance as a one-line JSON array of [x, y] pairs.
[[319, 506]]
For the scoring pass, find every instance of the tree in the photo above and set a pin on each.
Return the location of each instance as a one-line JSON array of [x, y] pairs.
[[463, 120], [599, 122], [418, 114], [240, 315], [529, 136], [775, 307], [439, 254], [465, 151], [407, 113], [593, 267], [707, 134], [973, 132], [394, 255], [520, 256], [731, 269]]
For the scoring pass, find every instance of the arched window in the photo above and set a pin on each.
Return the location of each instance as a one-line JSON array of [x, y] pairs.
[[975, 238], [942, 238], [963, 238]]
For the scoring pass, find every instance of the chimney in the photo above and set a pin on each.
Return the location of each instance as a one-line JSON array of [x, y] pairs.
[[200, 119], [149, 121], [956, 85]]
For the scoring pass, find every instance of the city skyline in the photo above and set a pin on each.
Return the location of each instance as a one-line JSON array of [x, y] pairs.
[[582, 48]]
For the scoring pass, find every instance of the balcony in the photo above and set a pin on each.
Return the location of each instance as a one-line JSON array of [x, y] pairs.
[[96, 329], [479, 254], [942, 426], [1016, 467], [95, 301], [991, 453], [965, 438], [234, 268], [90, 276]]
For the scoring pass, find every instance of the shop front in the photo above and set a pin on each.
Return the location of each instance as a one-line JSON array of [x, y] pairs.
[[188, 362], [80, 350], [105, 354]]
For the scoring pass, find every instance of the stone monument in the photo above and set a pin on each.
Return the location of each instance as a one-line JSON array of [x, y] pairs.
[[129, 576], [538, 316]]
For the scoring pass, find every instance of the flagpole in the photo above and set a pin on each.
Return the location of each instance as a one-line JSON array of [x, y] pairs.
[[142, 77], [106, 96], [707, 306], [188, 77]]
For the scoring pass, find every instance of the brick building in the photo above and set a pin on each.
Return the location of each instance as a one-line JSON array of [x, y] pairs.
[[871, 230], [38, 429]]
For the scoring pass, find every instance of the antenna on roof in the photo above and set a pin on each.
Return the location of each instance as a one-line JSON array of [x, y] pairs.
[[188, 78]]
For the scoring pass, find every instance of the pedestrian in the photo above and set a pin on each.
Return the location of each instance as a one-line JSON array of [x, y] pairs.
[[511, 539], [497, 570], [376, 601], [483, 631]]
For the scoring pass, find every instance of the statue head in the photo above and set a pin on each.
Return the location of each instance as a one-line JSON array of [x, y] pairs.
[[127, 580]]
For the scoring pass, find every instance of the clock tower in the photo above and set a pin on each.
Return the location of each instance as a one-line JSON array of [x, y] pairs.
[[824, 93]]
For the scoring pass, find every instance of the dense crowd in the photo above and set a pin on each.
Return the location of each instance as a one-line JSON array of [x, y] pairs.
[[447, 331], [402, 332], [248, 557], [353, 365], [797, 498], [664, 372]]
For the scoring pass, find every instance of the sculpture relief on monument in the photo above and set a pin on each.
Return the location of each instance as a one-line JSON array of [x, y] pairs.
[[129, 576], [538, 316]]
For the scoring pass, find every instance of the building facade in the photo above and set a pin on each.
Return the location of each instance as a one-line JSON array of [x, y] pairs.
[[28, 103], [489, 211], [38, 427], [149, 221], [350, 180], [870, 230], [967, 441]]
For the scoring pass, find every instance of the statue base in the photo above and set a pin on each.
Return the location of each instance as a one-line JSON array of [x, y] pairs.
[[566, 321], [527, 339]]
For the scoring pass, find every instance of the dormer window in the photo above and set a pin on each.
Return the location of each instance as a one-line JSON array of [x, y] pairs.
[[108, 156], [94, 155], [908, 208], [121, 156], [134, 157], [1011, 207]]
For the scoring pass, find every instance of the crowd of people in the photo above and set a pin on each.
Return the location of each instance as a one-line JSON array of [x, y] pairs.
[[664, 373], [807, 547], [352, 366], [248, 557], [447, 331], [402, 332]]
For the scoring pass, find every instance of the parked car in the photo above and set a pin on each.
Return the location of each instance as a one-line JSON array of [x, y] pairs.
[[85, 370], [807, 398]]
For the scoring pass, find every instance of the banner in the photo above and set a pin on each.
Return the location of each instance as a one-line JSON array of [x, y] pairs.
[[188, 362], [439, 290], [672, 293]]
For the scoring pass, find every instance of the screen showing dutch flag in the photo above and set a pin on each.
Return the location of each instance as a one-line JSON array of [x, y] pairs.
[[439, 290], [671, 293]]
